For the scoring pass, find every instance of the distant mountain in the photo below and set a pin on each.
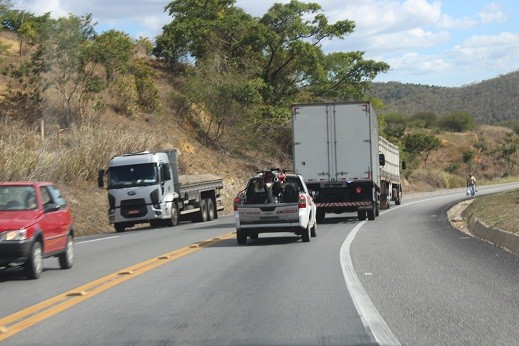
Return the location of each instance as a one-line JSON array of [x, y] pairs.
[[489, 101]]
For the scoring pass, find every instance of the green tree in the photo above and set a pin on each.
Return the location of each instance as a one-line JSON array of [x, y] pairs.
[[421, 144], [395, 125], [426, 120], [458, 122]]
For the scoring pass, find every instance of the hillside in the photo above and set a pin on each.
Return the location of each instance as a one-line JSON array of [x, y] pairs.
[[489, 101]]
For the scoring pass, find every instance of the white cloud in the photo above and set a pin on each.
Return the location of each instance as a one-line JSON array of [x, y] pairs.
[[493, 52], [373, 17], [492, 13], [448, 22]]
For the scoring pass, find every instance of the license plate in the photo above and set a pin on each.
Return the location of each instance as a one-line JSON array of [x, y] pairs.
[[268, 218]]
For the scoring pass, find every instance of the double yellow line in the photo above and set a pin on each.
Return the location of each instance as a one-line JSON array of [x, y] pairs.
[[24, 319]]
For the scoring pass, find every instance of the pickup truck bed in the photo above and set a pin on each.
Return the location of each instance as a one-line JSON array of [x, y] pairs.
[[287, 208]]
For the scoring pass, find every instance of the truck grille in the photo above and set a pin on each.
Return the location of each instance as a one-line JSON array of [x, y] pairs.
[[133, 208]]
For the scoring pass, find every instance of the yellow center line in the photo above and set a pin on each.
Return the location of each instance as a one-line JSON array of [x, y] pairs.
[[26, 318]]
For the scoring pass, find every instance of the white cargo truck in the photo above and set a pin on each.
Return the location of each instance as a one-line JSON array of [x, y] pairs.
[[343, 160], [146, 187]]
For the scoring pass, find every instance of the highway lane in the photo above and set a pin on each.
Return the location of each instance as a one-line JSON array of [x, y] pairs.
[[433, 284], [277, 290]]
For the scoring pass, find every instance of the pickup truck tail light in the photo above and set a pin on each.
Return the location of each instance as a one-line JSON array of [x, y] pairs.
[[302, 202], [236, 203]]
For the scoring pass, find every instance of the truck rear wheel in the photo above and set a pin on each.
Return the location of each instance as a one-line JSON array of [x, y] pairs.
[[241, 237], [361, 214], [320, 215], [371, 214], [202, 214], [210, 209]]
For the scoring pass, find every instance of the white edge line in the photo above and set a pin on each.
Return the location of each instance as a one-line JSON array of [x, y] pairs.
[[369, 315], [93, 240]]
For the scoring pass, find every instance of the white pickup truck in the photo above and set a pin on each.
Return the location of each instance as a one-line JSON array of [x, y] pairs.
[[274, 202]]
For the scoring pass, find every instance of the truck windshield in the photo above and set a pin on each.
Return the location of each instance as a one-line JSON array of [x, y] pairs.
[[132, 175]]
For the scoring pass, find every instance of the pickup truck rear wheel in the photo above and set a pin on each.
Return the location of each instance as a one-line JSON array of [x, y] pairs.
[[313, 230], [34, 266], [66, 259], [305, 234], [241, 237]]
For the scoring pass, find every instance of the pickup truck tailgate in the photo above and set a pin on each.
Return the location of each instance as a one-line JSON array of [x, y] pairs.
[[281, 213]]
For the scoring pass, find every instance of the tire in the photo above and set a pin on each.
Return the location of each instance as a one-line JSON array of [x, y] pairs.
[[305, 235], [66, 259], [320, 215], [202, 214], [241, 237], [210, 209], [377, 209], [34, 266], [361, 214], [174, 215], [119, 227], [371, 214], [313, 230]]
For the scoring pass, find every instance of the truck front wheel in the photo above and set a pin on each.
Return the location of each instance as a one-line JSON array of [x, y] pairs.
[[174, 214]]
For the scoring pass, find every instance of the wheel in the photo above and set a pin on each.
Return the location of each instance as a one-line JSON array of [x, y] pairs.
[[202, 214], [361, 215], [377, 209], [119, 227], [174, 214], [210, 209], [313, 230], [371, 214], [34, 266], [320, 215], [241, 237], [305, 235], [66, 259]]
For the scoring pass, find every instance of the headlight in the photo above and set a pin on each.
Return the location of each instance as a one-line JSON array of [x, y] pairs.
[[20, 234]]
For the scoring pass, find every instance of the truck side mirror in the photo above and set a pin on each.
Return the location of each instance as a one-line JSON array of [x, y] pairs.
[[382, 160], [404, 165], [100, 178], [167, 172]]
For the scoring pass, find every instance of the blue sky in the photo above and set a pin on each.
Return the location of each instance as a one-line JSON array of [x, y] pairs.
[[444, 43]]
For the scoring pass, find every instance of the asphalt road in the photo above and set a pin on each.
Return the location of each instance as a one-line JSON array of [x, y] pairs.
[[408, 277]]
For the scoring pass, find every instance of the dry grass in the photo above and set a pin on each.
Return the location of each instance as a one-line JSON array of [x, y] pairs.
[[499, 210]]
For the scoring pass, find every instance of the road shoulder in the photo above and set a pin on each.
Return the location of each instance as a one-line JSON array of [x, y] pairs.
[[475, 227]]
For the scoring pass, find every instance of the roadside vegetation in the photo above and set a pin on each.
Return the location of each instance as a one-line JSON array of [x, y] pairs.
[[218, 85]]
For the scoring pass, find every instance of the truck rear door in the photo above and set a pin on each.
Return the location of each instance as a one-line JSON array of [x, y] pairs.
[[351, 141], [311, 133]]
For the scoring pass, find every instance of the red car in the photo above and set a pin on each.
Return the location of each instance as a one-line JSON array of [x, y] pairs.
[[35, 223]]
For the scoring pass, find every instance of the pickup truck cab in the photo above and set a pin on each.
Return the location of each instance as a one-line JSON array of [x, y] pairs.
[[35, 223], [274, 202]]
